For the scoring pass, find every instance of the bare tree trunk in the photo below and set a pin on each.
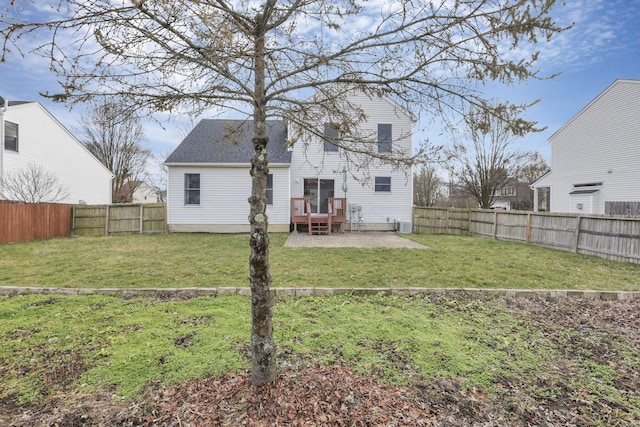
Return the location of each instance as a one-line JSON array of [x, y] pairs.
[[263, 350]]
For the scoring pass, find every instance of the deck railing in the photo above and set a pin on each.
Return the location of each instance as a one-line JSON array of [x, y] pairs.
[[320, 223]]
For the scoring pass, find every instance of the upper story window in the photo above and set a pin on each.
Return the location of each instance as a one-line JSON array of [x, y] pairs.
[[10, 136], [384, 138], [331, 136], [191, 188], [506, 191], [383, 184], [270, 189]]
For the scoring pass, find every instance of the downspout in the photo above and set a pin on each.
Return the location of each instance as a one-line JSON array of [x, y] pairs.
[[3, 109]]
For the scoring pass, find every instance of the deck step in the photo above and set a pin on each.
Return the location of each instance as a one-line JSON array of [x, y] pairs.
[[320, 228]]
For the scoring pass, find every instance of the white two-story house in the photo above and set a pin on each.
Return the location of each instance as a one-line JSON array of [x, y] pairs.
[[209, 182], [595, 156], [35, 139]]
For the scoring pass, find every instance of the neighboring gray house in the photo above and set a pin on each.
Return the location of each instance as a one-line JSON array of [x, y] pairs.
[[595, 156], [209, 182], [513, 194]]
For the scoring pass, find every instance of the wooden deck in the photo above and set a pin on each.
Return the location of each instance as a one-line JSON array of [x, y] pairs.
[[319, 223]]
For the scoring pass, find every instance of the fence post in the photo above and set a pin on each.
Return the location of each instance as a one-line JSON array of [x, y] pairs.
[[141, 218], [495, 224], [577, 233], [446, 221], [529, 218], [106, 221]]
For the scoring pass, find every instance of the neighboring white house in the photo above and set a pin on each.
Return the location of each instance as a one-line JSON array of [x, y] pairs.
[[595, 156], [32, 136], [209, 182], [135, 191], [144, 193]]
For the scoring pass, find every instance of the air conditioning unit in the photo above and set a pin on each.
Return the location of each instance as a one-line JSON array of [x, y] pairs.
[[405, 227]]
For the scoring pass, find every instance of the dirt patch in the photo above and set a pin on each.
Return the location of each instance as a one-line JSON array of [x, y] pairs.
[[586, 332]]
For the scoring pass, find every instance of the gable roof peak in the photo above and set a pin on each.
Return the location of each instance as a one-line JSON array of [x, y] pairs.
[[608, 89]]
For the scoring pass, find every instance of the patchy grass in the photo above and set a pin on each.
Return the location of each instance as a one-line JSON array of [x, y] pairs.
[[102, 342], [568, 357], [403, 340], [210, 260]]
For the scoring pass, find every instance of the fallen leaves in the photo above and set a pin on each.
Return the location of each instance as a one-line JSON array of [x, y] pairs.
[[316, 395]]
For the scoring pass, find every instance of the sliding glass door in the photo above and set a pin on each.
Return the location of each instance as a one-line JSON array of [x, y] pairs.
[[319, 191]]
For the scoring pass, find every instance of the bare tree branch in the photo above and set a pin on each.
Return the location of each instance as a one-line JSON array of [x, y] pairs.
[[114, 137], [534, 167], [428, 187], [33, 184], [487, 159]]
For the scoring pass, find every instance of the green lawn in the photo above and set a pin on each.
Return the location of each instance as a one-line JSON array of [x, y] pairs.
[[102, 342], [210, 260], [522, 354], [55, 346]]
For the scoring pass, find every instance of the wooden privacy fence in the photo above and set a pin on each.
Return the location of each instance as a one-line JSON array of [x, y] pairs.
[[622, 208], [102, 220], [24, 222], [614, 238], [440, 220]]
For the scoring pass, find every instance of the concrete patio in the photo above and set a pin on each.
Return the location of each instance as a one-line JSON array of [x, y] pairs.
[[364, 239]]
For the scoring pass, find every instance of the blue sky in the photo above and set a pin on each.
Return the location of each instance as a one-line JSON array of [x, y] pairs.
[[603, 45]]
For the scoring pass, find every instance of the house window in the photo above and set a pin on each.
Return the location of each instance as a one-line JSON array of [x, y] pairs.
[[270, 189], [507, 191], [588, 185], [11, 136], [331, 135], [383, 184], [318, 191], [384, 138], [191, 188]]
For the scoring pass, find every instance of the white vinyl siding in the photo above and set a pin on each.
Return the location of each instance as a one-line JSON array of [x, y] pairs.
[[600, 144], [224, 195], [43, 141], [379, 208]]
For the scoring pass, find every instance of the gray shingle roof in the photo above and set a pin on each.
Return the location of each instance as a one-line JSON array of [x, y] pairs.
[[229, 141], [12, 103]]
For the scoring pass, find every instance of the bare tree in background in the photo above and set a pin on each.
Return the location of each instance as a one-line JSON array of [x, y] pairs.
[[33, 184], [159, 177], [533, 168], [428, 186], [114, 135], [296, 60], [485, 158]]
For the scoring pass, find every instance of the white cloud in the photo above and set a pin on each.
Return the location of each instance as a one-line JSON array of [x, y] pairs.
[[600, 28]]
